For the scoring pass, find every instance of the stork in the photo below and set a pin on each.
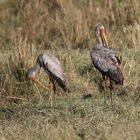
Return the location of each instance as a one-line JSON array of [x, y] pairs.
[[105, 59], [52, 66]]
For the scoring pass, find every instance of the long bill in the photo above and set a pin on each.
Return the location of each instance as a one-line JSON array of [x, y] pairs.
[[104, 39], [40, 84]]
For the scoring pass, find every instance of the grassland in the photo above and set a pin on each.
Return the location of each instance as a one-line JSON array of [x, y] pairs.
[[64, 28]]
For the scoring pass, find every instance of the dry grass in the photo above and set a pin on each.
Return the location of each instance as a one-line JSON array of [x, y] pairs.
[[64, 28]]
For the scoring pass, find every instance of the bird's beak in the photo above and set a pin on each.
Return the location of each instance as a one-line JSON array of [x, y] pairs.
[[104, 38], [39, 83]]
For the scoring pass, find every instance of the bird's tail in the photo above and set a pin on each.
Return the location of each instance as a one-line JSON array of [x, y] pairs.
[[120, 76]]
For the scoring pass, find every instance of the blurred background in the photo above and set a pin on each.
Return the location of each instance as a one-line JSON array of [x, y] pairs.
[[65, 23]]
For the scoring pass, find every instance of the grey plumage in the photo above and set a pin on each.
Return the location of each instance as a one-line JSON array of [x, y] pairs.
[[106, 61], [51, 66], [104, 58]]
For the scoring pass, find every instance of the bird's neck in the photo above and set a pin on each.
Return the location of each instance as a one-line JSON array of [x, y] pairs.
[[32, 71], [100, 42], [36, 67]]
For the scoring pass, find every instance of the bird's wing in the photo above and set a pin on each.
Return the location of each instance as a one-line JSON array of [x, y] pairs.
[[104, 63], [53, 58], [112, 54], [100, 62], [54, 67]]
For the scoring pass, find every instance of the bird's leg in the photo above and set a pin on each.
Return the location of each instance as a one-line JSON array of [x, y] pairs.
[[49, 86], [104, 87], [54, 89], [51, 90], [111, 92], [51, 95]]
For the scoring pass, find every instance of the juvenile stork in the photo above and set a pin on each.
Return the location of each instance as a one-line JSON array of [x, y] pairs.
[[53, 68], [104, 59]]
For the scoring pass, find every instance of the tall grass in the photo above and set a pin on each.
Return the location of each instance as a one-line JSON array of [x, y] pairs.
[[62, 23]]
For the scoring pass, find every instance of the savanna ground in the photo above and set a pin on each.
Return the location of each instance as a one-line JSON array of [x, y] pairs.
[[64, 28]]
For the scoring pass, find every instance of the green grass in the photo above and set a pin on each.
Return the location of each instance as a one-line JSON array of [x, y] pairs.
[[72, 118], [30, 115]]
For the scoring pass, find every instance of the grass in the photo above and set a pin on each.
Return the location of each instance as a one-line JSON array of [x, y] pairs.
[[30, 116], [25, 111]]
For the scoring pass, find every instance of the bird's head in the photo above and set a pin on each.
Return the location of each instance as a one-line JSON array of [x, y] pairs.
[[33, 70], [100, 34]]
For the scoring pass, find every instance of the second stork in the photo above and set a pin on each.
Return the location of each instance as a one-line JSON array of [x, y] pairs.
[[105, 59], [52, 67]]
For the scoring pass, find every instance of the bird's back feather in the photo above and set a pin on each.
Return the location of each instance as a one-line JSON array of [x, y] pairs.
[[105, 61], [54, 68]]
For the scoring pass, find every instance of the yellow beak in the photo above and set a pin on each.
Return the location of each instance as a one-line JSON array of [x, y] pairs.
[[39, 83], [104, 39]]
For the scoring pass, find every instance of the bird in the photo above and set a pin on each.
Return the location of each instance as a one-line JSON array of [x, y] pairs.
[[53, 68], [105, 59]]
